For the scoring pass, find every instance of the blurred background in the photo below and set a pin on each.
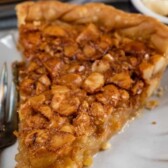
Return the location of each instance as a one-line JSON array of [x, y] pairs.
[[8, 16]]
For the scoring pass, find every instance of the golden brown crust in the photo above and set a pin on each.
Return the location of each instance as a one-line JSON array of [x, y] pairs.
[[49, 11], [135, 25]]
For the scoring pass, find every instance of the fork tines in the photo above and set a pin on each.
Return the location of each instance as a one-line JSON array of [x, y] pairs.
[[8, 106], [3, 95]]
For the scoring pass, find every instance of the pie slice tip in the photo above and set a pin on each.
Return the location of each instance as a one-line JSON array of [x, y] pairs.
[[89, 69]]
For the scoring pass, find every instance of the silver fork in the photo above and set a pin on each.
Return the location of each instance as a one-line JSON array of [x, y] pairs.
[[8, 107]]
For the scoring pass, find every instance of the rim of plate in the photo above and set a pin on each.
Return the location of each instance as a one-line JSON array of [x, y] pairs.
[[140, 6]]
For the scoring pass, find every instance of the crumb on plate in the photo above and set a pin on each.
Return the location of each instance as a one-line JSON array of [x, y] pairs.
[[151, 104], [154, 123]]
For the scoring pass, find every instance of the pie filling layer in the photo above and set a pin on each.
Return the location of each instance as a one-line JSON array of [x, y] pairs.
[[80, 84]]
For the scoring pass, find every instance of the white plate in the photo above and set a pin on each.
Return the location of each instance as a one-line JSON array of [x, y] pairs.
[[139, 5], [142, 145]]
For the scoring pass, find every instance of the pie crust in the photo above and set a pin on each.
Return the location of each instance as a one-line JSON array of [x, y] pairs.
[[89, 69]]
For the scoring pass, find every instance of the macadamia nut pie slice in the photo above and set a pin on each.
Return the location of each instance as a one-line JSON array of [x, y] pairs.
[[88, 69]]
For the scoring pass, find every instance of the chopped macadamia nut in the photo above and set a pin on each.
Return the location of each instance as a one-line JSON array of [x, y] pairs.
[[93, 82]]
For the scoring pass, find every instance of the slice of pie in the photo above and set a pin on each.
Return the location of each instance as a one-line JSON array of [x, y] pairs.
[[88, 69]]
